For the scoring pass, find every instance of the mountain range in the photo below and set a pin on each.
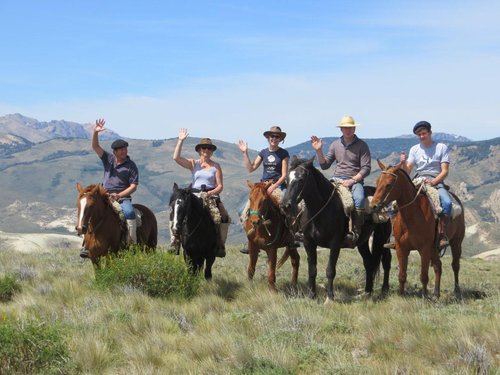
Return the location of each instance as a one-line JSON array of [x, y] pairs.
[[41, 162]]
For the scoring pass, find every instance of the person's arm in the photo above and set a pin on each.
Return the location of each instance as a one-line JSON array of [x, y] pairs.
[[317, 144], [98, 127], [183, 162], [405, 163], [219, 182], [246, 159], [124, 193], [441, 176], [284, 172]]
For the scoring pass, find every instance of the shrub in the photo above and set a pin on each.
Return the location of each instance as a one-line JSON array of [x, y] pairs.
[[8, 287], [33, 347], [158, 274]]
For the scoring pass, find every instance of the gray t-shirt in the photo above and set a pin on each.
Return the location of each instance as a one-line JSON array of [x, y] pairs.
[[351, 159], [427, 160]]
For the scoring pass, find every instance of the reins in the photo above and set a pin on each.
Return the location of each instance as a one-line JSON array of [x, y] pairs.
[[262, 221], [392, 187]]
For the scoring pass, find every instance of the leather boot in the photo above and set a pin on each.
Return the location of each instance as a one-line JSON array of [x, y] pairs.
[[132, 231], [443, 239], [358, 219], [222, 230]]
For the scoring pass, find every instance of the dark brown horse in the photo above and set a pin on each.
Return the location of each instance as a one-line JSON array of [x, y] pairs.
[[266, 230], [415, 227], [324, 223], [103, 230]]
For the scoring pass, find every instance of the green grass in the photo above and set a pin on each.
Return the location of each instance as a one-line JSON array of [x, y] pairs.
[[233, 326]]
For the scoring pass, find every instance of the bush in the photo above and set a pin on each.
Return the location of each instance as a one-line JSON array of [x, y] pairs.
[[33, 347], [158, 274], [8, 287]]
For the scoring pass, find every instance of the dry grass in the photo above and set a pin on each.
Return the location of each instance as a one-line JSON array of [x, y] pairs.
[[234, 326]]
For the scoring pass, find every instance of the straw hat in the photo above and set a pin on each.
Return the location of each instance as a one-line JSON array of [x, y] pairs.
[[205, 142], [347, 122], [275, 130]]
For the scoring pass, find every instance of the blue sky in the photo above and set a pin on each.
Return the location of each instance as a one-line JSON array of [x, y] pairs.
[[230, 70]]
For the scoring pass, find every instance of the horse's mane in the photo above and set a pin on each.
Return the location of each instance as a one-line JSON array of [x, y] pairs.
[[260, 186], [308, 164]]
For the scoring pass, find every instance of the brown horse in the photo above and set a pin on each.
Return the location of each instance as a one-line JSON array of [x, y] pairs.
[[415, 227], [104, 232], [266, 229]]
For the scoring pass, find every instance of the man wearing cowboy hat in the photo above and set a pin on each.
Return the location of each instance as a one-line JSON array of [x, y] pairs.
[[353, 165], [121, 178]]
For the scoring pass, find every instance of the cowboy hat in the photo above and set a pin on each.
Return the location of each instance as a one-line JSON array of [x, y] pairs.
[[275, 130], [205, 142], [347, 122]]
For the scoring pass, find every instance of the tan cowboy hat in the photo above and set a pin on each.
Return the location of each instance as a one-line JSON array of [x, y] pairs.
[[347, 122], [275, 130], [205, 142]]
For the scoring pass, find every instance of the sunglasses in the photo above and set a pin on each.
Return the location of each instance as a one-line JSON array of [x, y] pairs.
[[274, 136], [206, 148]]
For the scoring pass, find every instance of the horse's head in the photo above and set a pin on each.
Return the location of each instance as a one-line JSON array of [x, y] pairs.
[[260, 203], [89, 200], [300, 169], [385, 191], [180, 201]]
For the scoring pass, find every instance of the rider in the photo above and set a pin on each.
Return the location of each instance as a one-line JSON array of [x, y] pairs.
[[275, 161], [207, 176], [431, 161], [353, 159], [121, 178]]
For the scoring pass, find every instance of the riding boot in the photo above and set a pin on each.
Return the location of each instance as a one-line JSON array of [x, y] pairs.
[[443, 239], [222, 230], [358, 219], [132, 231]]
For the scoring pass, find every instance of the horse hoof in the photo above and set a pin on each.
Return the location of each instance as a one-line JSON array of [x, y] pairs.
[[328, 301], [84, 253]]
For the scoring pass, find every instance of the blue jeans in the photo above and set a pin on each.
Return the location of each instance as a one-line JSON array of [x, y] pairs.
[[128, 209], [357, 190], [445, 199]]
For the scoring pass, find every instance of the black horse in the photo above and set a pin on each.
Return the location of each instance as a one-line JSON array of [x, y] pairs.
[[324, 223], [194, 226]]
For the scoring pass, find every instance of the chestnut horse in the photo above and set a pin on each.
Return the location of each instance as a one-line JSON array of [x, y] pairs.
[[104, 232], [324, 223], [415, 226], [266, 229]]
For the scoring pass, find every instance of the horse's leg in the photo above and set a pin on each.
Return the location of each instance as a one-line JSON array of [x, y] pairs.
[[437, 265], [253, 254], [295, 260], [368, 263], [331, 272], [386, 264], [312, 260], [456, 252], [208, 267], [403, 266], [271, 268], [424, 269]]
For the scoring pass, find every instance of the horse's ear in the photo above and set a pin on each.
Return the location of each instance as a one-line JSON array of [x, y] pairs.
[[250, 184], [176, 187], [309, 162], [189, 188], [381, 165], [294, 157], [79, 187], [312, 159]]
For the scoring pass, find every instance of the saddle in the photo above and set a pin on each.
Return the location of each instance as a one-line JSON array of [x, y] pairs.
[[118, 210], [211, 205], [433, 195]]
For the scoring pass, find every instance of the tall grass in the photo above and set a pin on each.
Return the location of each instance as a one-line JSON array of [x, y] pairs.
[[233, 326]]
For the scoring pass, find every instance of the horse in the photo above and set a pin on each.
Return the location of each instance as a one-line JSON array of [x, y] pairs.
[[266, 229], [324, 223], [103, 230], [194, 226], [415, 227]]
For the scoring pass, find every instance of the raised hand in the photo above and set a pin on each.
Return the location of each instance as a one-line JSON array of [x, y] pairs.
[[99, 125], [183, 134], [316, 142], [243, 146]]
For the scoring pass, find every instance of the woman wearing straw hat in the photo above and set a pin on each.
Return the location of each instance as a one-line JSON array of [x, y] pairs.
[[275, 162], [207, 176], [353, 165]]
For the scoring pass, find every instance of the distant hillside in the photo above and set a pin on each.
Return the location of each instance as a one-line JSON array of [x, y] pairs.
[[38, 180]]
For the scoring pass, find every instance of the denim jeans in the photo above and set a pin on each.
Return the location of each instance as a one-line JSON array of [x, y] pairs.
[[445, 199], [357, 190], [128, 209]]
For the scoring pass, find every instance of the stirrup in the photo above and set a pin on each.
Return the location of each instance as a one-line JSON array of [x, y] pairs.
[[350, 240], [244, 249]]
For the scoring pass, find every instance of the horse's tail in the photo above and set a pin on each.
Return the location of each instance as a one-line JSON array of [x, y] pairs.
[[283, 258]]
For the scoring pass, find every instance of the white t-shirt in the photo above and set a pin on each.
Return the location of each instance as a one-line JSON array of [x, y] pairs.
[[427, 160]]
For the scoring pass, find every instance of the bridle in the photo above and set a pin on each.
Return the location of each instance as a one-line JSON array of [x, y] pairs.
[[87, 223], [385, 200], [263, 221]]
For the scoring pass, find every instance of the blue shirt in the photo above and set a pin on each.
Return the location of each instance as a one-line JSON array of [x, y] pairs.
[[273, 163], [118, 177]]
